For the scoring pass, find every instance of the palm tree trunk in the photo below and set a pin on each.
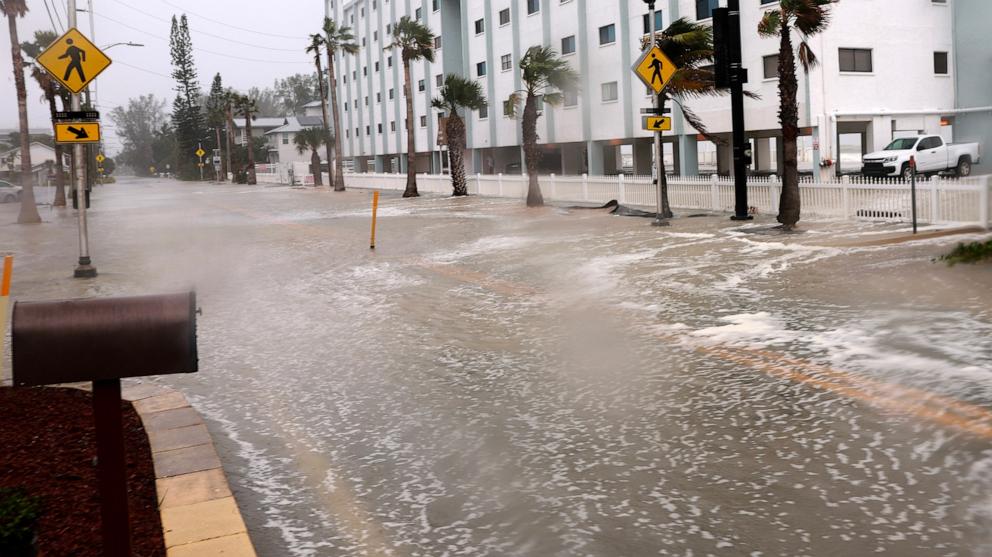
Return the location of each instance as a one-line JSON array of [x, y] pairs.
[[666, 208], [318, 180], [328, 143], [251, 151], [411, 143], [532, 155], [220, 175], [59, 200], [788, 86], [29, 211], [338, 181], [455, 131]]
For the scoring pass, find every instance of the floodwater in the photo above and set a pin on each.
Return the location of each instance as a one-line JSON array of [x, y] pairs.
[[493, 380]]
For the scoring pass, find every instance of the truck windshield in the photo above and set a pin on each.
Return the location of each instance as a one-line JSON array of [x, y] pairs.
[[903, 144]]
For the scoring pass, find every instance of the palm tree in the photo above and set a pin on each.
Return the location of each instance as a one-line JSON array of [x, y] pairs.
[[336, 39], [458, 92], [689, 46], [14, 9], [415, 41], [807, 17], [317, 41], [230, 99], [311, 139], [51, 90], [546, 74], [247, 106]]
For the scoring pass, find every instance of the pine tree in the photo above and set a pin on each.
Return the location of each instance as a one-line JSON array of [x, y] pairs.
[[187, 115], [217, 113]]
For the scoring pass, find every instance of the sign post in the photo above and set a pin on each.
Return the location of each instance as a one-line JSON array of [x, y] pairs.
[[656, 70], [75, 62], [199, 153]]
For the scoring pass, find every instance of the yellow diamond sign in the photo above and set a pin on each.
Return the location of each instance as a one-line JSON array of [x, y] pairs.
[[100, 158], [655, 69], [73, 60], [200, 152]]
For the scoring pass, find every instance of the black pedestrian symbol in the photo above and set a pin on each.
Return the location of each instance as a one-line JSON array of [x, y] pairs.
[[76, 58], [656, 66]]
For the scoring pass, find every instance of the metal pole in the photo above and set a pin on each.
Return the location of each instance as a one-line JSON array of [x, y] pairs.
[[912, 188], [84, 269], [111, 471], [659, 155], [199, 147], [740, 147]]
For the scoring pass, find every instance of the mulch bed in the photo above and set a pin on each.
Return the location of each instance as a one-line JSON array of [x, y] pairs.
[[48, 449]]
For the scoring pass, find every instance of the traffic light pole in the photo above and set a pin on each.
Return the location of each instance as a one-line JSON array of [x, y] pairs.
[[85, 268], [738, 76]]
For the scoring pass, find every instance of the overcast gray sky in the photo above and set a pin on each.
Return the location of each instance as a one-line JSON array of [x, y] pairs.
[[250, 42]]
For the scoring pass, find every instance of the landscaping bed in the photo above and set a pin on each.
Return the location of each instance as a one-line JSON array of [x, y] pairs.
[[48, 462]]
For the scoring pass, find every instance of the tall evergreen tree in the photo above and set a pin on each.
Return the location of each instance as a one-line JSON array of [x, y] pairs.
[[217, 113], [187, 115]]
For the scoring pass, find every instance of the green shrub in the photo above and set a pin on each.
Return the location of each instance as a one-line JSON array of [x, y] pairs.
[[19, 514], [969, 253]]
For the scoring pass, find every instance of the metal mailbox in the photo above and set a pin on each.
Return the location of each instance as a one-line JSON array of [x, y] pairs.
[[67, 341]]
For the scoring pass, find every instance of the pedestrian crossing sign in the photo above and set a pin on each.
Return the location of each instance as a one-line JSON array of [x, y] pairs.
[[73, 60], [655, 69], [200, 152]]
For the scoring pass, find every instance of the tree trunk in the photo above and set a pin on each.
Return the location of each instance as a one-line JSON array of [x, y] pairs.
[[29, 210], [218, 175], [318, 180], [411, 143], [532, 155], [338, 181], [227, 141], [251, 151], [455, 131], [666, 208], [328, 142], [59, 200], [788, 86]]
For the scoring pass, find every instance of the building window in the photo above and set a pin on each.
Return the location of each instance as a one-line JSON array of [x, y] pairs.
[[940, 63], [439, 80], [368, 130], [379, 128], [609, 91], [484, 112], [480, 26], [419, 13], [389, 62], [375, 35], [389, 28], [507, 108], [533, 6], [704, 8], [356, 103], [345, 79], [392, 126], [285, 139], [354, 74], [657, 22], [437, 42], [366, 100], [607, 34], [420, 85], [363, 41], [377, 66], [423, 121], [568, 45], [378, 98], [505, 62], [391, 94], [504, 16], [347, 133], [434, 5], [365, 71], [763, 2], [855, 60], [770, 63], [480, 69], [570, 98]]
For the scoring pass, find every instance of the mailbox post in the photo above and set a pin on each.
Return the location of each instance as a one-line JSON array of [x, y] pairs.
[[103, 340]]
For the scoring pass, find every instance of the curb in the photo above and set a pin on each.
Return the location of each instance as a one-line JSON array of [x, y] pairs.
[[199, 514], [901, 238]]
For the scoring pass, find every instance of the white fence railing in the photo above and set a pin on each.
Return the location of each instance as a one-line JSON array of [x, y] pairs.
[[938, 200]]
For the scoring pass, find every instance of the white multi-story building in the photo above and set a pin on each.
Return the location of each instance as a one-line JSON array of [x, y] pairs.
[[887, 68]]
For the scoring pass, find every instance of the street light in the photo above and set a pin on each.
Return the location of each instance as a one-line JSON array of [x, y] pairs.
[[119, 44]]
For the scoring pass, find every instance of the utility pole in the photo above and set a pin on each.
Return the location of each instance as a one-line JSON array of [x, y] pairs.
[[729, 72], [659, 154], [85, 268]]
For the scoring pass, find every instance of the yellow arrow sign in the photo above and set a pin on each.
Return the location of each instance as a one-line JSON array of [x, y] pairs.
[[200, 153], [77, 132], [73, 60], [655, 69], [657, 123]]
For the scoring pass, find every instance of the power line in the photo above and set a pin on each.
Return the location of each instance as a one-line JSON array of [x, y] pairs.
[[50, 18], [228, 24], [198, 49], [55, 8], [252, 45], [139, 68]]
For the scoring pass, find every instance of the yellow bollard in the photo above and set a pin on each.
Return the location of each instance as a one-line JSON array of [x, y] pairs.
[[8, 268], [375, 209]]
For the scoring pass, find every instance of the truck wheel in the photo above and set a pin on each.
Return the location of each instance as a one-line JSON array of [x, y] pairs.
[[964, 168], [907, 172]]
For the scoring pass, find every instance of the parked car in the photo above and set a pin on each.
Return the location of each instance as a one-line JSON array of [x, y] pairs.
[[933, 156], [9, 193]]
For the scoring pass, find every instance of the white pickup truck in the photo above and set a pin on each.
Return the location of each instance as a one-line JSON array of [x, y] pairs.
[[933, 156]]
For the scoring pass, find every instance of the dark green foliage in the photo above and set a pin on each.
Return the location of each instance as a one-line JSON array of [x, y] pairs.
[[187, 114], [18, 515], [972, 252], [145, 133]]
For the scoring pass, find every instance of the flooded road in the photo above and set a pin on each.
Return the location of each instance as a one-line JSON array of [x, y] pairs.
[[493, 380]]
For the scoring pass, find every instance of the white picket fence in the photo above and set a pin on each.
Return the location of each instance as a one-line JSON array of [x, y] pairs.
[[939, 200]]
